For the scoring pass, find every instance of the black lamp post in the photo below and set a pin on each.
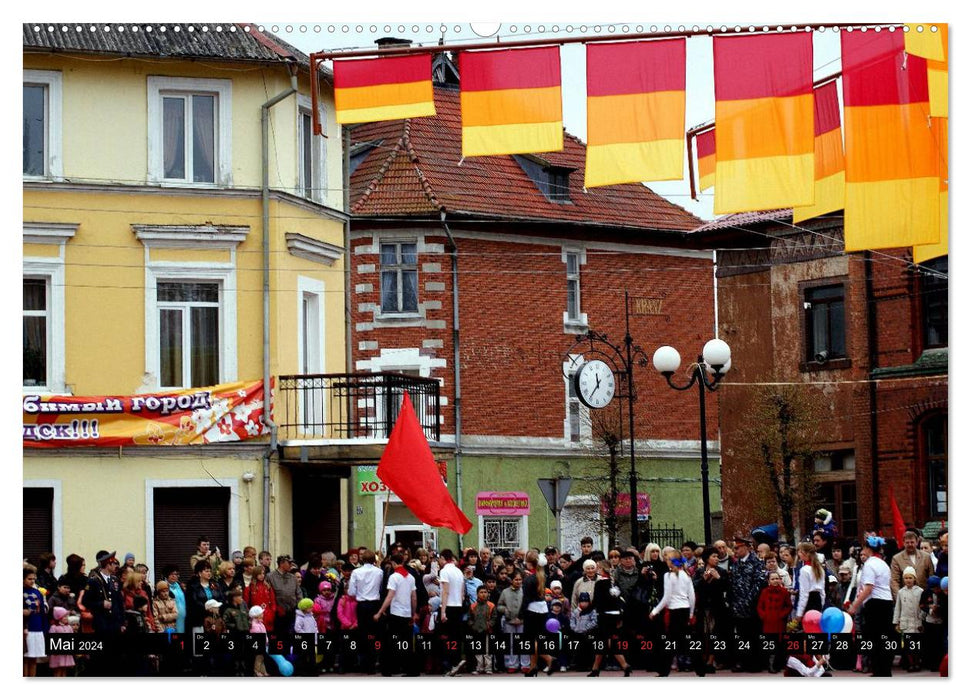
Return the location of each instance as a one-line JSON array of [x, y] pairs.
[[716, 357], [621, 359]]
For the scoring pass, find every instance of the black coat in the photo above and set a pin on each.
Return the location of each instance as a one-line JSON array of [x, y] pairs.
[[96, 592], [195, 602]]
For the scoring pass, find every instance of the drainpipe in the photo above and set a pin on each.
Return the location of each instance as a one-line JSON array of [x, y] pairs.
[[456, 367], [348, 347], [267, 418], [871, 317]]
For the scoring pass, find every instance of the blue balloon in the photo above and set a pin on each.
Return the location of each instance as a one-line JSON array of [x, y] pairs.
[[284, 666], [553, 625], [944, 583], [832, 621]]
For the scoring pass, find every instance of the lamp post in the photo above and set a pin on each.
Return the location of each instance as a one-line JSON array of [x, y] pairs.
[[716, 357], [621, 359]]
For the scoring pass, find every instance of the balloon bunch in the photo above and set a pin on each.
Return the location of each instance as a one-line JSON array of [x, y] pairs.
[[830, 621]]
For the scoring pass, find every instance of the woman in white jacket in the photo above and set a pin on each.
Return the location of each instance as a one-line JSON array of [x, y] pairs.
[[812, 581], [679, 601]]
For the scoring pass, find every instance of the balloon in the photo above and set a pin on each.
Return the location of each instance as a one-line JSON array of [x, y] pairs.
[[284, 666], [810, 621], [944, 583], [553, 625], [847, 623], [416, 629], [832, 620]]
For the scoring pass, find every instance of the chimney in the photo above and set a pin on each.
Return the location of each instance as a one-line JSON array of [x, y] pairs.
[[392, 42]]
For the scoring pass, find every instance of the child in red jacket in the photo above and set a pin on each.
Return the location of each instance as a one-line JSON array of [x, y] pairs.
[[774, 607]]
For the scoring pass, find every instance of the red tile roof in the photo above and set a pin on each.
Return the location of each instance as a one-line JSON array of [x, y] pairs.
[[418, 169], [745, 219]]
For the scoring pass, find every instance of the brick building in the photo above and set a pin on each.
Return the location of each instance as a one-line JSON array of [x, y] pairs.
[[868, 331], [539, 261]]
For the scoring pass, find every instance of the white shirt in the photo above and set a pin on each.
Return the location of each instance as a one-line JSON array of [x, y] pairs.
[[365, 583], [877, 573], [807, 584], [679, 592], [451, 575], [403, 587]]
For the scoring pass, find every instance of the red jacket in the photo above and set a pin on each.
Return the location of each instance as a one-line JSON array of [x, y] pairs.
[[262, 595], [774, 607]]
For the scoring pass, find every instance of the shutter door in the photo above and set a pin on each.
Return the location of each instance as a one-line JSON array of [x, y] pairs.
[[38, 523], [181, 516], [316, 514]]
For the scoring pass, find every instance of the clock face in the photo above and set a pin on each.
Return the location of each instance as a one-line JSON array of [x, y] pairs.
[[595, 384]]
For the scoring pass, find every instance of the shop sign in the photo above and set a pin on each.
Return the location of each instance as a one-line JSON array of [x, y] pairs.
[[623, 504], [501, 503], [368, 483]]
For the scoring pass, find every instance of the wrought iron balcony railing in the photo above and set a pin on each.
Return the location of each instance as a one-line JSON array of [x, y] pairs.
[[353, 406]]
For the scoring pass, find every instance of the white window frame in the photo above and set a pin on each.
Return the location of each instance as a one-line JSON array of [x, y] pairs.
[[523, 529], [222, 273], [399, 267], [52, 271], [570, 366], [52, 81], [158, 87], [318, 156], [580, 323], [308, 288]]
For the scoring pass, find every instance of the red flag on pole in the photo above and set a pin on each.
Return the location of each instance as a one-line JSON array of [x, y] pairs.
[[408, 468], [898, 520]]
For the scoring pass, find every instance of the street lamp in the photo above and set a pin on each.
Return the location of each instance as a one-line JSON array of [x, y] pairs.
[[715, 358]]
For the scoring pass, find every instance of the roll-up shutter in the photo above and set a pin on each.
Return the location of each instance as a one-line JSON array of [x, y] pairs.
[[316, 514], [181, 516], [38, 523]]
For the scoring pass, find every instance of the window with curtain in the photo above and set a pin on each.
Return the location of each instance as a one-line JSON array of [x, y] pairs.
[[573, 286], [825, 323], [188, 323], [36, 331], [309, 162], [399, 277], [35, 129], [934, 450], [189, 137]]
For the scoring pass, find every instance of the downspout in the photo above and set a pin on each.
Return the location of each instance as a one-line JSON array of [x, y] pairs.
[[871, 317], [456, 366], [267, 394], [348, 356]]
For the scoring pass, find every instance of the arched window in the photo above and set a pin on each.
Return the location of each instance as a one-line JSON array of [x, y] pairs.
[[934, 456]]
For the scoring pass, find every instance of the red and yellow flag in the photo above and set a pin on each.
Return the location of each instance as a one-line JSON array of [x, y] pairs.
[[635, 112], [705, 145], [892, 160], [828, 159], [379, 89], [923, 253], [511, 101], [764, 117], [931, 45]]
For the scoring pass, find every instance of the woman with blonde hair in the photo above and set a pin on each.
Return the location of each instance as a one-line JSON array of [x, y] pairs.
[[812, 580], [133, 587], [226, 578]]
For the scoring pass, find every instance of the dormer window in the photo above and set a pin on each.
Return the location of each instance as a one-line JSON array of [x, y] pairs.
[[552, 180]]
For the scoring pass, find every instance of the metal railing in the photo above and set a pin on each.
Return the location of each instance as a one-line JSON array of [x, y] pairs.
[[353, 406], [666, 536]]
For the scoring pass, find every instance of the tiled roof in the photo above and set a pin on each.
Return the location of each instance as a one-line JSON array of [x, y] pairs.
[[418, 169], [744, 219], [214, 41]]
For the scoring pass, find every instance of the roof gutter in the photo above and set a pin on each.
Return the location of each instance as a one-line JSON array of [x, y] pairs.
[[267, 390], [456, 366]]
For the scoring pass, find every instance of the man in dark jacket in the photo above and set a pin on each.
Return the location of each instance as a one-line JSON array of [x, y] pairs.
[[745, 583], [284, 586], [102, 595]]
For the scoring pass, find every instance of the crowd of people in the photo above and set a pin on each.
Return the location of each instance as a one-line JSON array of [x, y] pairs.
[[718, 594]]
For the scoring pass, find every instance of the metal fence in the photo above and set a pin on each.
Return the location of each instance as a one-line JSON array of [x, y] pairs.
[[353, 406], [665, 535]]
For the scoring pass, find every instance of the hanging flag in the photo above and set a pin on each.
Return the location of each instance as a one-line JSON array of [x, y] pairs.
[[898, 520], [931, 45], [828, 156], [922, 253], [764, 117], [892, 169], [635, 112], [705, 145], [408, 468], [378, 89], [511, 101]]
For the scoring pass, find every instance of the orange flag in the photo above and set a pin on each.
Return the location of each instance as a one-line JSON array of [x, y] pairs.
[[892, 158], [408, 468], [764, 117], [378, 89], [931, 43], [511, 101], [635, 112], [705, 145], [828, 160], [922, 253]]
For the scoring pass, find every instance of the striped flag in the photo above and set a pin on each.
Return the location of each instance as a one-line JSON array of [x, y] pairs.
[[635, 112], [764, 117], [923, 253], [378, 89], [892, 160], [511, 101], [828, 159], [705, 145], [931, 45]]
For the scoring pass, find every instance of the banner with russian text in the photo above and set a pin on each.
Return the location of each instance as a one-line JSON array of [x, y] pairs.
[[197, 416]]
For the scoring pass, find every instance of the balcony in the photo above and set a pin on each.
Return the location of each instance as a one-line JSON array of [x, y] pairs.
[[349, 409]]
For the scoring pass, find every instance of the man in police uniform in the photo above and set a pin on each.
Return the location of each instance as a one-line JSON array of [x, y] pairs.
[[102, 595]]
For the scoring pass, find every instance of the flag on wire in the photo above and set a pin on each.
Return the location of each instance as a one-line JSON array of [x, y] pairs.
[[408, 468], [764, 118], [892, 158], [829, 169], [635, 112], [922, 253], [511, 101], [931, 43], [379, 89], [705, 145]]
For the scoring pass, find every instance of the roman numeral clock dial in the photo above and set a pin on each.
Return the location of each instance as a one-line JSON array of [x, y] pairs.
[[594, 383]]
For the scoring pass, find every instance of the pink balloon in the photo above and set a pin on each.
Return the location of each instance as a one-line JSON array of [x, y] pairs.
[[810, 621]]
